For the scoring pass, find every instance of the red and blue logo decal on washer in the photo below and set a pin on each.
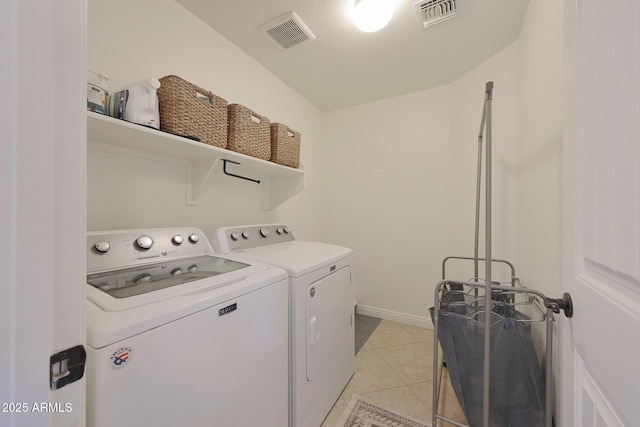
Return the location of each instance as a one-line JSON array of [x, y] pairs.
[[121, 357]]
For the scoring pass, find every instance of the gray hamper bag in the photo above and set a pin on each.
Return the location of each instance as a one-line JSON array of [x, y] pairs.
[[517, 389]]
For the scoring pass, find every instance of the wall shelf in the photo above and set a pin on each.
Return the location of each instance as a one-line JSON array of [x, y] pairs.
[[279, 183]]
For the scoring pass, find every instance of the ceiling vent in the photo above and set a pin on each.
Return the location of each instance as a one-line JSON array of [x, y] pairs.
[[431, 12], [288, 30]]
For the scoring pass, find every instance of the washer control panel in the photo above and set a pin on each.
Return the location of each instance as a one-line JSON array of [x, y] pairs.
[[232, 239], [126, 248]]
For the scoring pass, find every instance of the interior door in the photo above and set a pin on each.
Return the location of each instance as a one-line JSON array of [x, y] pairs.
[[42, 210], [600, 346]]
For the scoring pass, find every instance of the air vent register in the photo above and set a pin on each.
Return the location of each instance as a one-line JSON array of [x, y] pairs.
[[288, 30], [431, 12]]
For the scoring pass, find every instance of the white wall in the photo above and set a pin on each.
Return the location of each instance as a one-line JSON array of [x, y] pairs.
[[130, 41], [539, 155], [539, 148], [403, 186], [388, 197], [527, 143], [467, 97]]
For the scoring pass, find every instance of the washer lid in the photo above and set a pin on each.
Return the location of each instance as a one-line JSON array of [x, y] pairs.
[[128, 282], [298, 257], [148, 291]]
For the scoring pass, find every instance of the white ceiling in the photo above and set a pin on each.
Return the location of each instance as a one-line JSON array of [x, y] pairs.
[[344, 66]]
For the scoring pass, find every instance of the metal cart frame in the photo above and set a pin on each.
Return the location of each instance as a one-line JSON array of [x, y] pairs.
[[551, 305]]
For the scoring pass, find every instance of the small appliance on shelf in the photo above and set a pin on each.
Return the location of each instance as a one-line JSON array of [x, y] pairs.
[[137, 103]]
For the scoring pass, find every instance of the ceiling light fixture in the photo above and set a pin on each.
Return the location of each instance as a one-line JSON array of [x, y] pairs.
[[373, 15]]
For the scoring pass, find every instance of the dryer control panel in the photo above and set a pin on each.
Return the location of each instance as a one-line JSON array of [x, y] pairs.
[[232, 239]]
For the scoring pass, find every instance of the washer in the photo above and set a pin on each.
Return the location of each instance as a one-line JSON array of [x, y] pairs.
[[178, 336], [322, 340]]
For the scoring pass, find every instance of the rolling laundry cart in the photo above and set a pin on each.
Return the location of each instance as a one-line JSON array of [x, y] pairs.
[[485, 329]]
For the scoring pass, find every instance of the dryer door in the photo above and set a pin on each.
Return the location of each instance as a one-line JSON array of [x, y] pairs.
[[330, 327]]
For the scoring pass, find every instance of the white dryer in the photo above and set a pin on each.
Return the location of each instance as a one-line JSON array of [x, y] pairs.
[[322, 339], [180, 337]]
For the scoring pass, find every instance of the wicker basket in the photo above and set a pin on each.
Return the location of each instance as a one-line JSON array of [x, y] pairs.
[[249, 133], [285, 145], [190, 111]]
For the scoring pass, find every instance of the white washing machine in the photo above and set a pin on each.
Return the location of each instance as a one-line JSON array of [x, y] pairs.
[[180, 337], [322, 339]]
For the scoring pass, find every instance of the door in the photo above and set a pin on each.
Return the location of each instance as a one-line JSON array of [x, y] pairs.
[[600, 349], [42, 207]]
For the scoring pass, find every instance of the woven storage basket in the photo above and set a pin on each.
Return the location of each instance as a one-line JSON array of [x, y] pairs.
[[249, 133], [190, 111], [285, 145]]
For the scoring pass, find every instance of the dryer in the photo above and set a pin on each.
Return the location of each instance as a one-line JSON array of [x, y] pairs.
[[322, 338], [178, 336]]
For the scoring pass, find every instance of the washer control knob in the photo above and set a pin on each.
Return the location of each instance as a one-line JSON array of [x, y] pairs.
[[103, 246], [279, 230], [234, 236], [286, 230], [144, 241], [193, 268], [264, 232], [177, 240], [176, 272], [193, 238], [245, 235]]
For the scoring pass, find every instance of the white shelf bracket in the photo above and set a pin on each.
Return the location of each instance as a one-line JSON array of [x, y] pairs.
[[197, 174], [278, 189]]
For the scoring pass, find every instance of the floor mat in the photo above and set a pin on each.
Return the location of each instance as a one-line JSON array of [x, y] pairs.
[[360, 413]]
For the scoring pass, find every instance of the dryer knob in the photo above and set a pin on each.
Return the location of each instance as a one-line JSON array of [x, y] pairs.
[[234, 236], [103, 246], [279, 230], [144, 242], [245, 235], [177, 240], [193, 238], [264, 232], [286, 230]]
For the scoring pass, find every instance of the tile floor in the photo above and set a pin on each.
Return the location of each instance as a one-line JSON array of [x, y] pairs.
[[394, 370]]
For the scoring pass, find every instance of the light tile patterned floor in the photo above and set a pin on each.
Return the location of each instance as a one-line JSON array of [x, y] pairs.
[[394, 370]]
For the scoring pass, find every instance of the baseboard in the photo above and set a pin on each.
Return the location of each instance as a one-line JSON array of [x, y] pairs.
[[395, 316]]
